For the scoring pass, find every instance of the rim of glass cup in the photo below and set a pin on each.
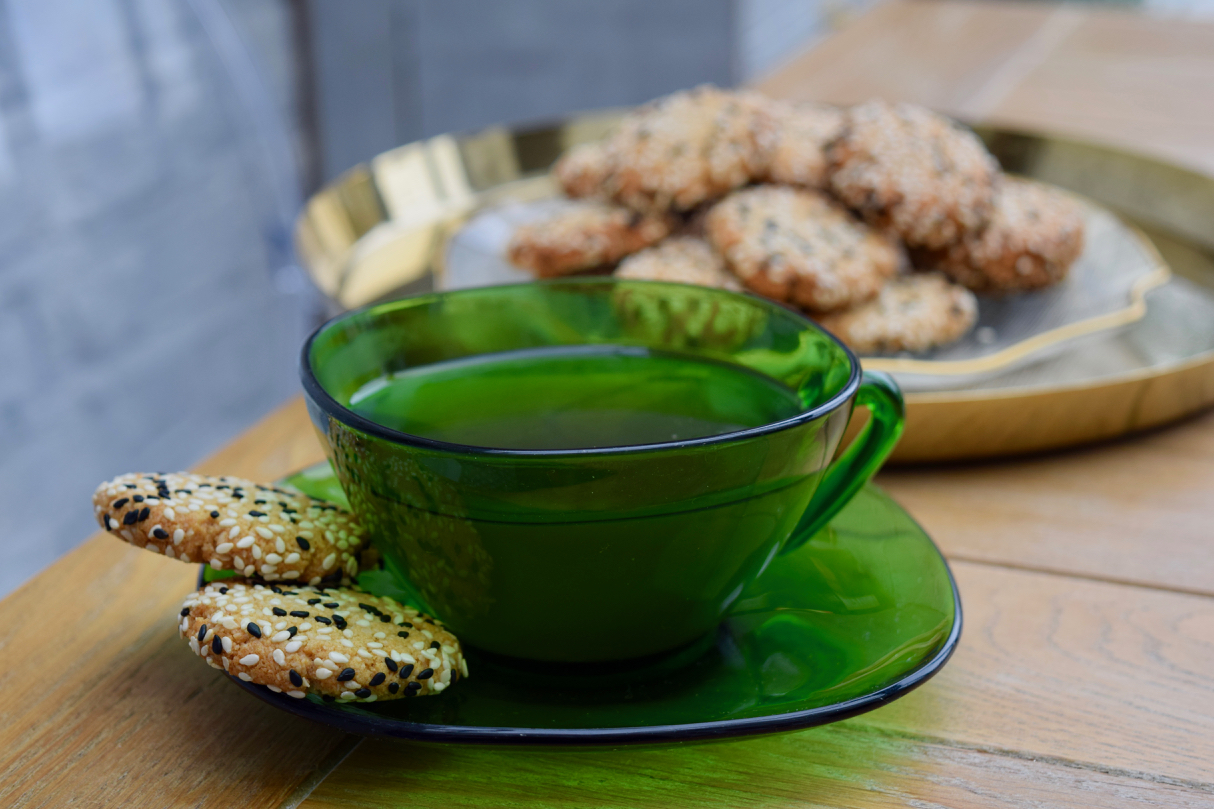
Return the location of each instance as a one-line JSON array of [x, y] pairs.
[[337, 410]]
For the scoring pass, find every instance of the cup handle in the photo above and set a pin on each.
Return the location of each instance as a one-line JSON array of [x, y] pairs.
[[851, 470]]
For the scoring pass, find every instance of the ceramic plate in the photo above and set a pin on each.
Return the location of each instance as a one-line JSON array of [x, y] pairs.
[[859, 616]]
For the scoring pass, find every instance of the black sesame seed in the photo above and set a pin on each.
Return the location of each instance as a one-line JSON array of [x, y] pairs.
[[202, 633], [425, 674], [257, 514], [323, 620], [405, 671], [298, 613], [435, 644], [223, 591], [363, 693], [346, 674], [215, 514], [313, 600], [332, 604], [412, 688], [378, 678], [278, 611], [405, 623], [296, 680], [390, 663], [276, 588], [402, 634], [131, 486], [259, 502], [160, 533], [130, 518], [367, 607], [217, 646], [120, 503], [138, 498], [185, 611], [291, 630], [339, 622], [145, 513], [393, 687], [254, 629], [303, 544]]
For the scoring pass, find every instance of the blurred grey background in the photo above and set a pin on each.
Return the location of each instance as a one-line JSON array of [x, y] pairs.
[[154, 154]]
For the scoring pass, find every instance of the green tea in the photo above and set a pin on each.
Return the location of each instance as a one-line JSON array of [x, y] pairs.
[[574, 397]]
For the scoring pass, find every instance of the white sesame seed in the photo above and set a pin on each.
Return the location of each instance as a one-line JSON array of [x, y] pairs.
[[227, 522], [249, 660], [291, 559], [305, 626], [223, 547], [263, 532], [226, 643], [322, 673], [349, 633], [278, 529], [329, 561], [244, 676], [228, 623], [296, 694], [438, 686], [362, 622], [168, 551], [325, 630], [256, 552], [346, 695], [273, 558], [249, 570], [338, 657], [279, 657], [374, 644], [345, 642], [279, 545], [352, 685], [379, 652], [280, 625], [246, 542], [314, 580], [381, 636], [365, 653], [169, 514], [274, 688], [215, 563], [294, 646], [291, 574], [235, 532]]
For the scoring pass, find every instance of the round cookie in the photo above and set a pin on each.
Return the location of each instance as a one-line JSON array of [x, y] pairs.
[[906, 168], [912, 313], [232, 524], [1031, 240], [583, 170], [803, 132], [338, 642], [587, 236], [684, 260], [689, 147], [798, 246]]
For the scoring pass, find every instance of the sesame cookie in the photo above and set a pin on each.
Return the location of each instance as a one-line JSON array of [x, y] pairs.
[[338, 642], [906, 168], [802, 133], [232, 524], [912, 313], [684, 260], [798, 246], [588, 235], [583, 170], [1031, 240], [685, 148]]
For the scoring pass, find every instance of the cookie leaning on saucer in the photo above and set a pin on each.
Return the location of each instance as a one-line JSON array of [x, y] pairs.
[[232, 524], [338, 642]]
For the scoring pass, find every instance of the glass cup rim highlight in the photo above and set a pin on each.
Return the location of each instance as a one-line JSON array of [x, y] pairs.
[[337, 410]]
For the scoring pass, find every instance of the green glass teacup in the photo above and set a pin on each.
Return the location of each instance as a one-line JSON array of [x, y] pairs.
[[604, 552]]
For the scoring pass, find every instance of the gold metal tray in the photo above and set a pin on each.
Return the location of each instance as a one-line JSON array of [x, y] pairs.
[[387, 228]]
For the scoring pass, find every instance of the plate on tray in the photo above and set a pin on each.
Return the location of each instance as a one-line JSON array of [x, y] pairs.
[[1089, 361], [859, 616]]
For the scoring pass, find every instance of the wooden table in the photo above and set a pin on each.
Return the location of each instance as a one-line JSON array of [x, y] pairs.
[[1085, 676]]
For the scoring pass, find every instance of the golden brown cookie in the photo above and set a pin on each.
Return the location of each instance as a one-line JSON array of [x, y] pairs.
[[586, 236], [803, 132], [232, 524], [1031, 240], [339, 642], [681, 150], [906, 168], [583, 170], [798, 246], [912, 313], [684, 260]]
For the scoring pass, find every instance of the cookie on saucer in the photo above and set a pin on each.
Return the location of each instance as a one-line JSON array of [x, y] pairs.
[[1032, 239], [798, 246], [232, 524], [684, 260], [803, 132], [912, 313], [338, 642], [583, 170], [586, 236], [905, 168]]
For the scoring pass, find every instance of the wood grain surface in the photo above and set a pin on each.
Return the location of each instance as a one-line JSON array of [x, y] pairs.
[[1085, 676]]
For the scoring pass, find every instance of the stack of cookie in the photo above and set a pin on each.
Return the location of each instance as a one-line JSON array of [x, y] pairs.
[[293, 621], [879, 221]]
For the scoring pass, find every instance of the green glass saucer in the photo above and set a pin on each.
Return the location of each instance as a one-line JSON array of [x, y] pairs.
[[860, 615]]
